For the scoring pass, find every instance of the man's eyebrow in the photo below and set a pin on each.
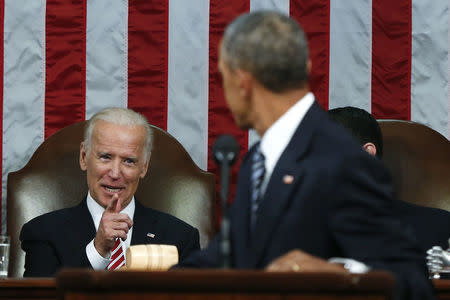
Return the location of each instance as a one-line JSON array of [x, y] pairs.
[[101, 153], [135, 158]]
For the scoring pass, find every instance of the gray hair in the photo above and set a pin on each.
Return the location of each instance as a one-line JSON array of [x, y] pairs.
[[269, 45], [119, 116]]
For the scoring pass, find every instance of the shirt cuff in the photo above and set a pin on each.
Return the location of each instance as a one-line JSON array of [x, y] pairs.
[[353, 266], [97, 261]]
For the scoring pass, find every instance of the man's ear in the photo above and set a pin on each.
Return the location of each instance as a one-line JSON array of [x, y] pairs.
[[83, 154], [145, 168], [308, 66], [245, 82], [370, 148]]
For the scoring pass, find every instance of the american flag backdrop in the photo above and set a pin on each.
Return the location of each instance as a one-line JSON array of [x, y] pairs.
[[63, 60]]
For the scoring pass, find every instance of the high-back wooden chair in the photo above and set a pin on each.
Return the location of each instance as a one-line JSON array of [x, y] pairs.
[[419, 160], [52, 180]]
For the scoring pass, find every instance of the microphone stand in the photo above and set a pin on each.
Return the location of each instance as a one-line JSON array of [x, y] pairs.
[[225, 151], [225, 228]]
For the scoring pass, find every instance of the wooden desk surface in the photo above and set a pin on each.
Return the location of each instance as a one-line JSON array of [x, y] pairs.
[[442, 288], [230, 284], [45, 288], [28, 288]]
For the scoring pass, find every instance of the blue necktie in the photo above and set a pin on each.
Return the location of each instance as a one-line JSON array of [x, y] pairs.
[[257, 176]]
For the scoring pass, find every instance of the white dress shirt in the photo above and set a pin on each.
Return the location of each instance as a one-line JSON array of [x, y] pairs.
[[97, 261], [278, 136]]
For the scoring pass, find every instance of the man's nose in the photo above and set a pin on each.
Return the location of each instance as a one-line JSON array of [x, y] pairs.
[[114, 171]]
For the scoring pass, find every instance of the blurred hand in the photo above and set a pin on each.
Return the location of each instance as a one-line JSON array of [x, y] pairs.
[[299, 261], [113, 225]]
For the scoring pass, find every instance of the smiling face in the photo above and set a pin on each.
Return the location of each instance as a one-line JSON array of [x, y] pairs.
[[115, 161]]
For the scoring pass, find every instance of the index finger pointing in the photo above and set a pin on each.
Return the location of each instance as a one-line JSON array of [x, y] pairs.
[[118, 203], [114, 204]]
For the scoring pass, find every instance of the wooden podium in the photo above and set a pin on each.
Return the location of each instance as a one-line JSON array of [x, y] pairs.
[[84, 284], [221, 284], [28, 288]]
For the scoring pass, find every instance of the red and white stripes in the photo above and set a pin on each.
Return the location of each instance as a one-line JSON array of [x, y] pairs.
[[65, 60], [117, 256]]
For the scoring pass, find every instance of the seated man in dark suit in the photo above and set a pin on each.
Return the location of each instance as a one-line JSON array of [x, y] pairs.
[[307, 192], [115, 154], [430, 226]]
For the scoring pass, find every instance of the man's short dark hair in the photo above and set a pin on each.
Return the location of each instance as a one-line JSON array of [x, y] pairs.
[[361, 124], [269, 45]]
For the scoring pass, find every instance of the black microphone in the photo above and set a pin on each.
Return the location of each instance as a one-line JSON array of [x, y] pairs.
[[225, 152], [225, 149]]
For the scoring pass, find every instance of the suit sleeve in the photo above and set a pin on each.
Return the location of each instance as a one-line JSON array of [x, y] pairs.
[[206, 258], [41, 259], [45, 254], [210, 257], [366, 228], [190, 244]]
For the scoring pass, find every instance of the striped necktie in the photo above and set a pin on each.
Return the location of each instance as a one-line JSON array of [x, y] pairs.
[[117, 256], [257, 176]]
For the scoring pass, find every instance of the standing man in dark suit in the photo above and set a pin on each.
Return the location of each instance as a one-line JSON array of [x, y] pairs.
[[317, 195], [115, 154]]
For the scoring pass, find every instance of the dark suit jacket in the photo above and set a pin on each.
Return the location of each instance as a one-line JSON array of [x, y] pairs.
[[58, 239], [339, 205], [430, 226]]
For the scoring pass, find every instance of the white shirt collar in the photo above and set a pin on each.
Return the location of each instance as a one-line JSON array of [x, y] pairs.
[[97, 210], [277, 137]]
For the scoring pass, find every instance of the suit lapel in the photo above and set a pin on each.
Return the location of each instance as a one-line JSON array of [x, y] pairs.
[[240, 215], [144, 226], [279, 189], [81, 225], [272, 207]]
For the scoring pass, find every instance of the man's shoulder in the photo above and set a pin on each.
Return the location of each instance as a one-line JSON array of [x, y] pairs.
[[333, 150], [321, 137], [336, 136], [164, 218], [48, 222], [425, 213], [333, 141]]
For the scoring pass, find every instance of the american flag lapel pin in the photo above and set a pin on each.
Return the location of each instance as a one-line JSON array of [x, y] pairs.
[[288, 179], [151, 235]]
